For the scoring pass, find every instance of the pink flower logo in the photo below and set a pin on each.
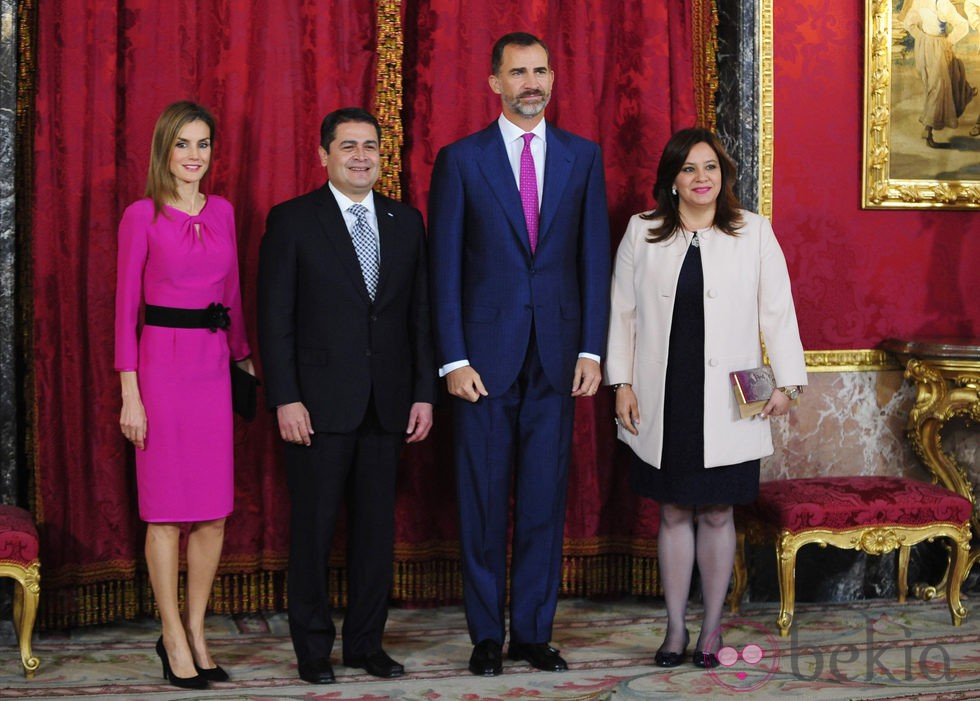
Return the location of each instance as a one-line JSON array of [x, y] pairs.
[[749, 658]]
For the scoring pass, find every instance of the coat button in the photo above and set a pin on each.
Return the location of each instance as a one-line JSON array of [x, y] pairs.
[[713, 362], [712, 293]]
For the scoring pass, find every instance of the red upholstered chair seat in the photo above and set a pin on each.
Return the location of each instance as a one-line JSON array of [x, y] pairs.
[[19, 561], [18, 536], [872, 514], [837, 503]]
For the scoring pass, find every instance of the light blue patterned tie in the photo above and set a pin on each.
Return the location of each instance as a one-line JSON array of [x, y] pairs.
[[366, 246]]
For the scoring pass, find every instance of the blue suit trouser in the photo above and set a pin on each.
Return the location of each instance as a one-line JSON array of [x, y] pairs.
[[525, 434]]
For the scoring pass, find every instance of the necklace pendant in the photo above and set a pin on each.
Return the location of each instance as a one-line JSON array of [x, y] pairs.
[[695, 241]]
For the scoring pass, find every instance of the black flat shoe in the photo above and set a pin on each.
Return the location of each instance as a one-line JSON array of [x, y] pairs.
[[195, 682], [665, 658], [540, 656], [377, 664], [214, 674], [486, 660], [704, 660]]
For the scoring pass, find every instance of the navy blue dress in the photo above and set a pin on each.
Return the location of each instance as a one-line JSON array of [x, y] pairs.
[[682, 478]]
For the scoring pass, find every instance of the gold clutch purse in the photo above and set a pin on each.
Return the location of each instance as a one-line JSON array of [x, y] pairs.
[[752, 389]]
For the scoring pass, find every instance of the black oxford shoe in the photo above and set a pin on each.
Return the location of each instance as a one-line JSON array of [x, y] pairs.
[[377, 664], [316, 672], [486, 660], [540, 656]]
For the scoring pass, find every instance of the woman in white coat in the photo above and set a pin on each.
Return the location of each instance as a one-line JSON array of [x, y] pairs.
[[695, 282]]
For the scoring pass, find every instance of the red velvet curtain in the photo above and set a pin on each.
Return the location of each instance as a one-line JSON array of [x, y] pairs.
[[269, 72]]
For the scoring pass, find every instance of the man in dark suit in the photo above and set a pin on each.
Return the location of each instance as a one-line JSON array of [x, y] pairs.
[[519, 249], [344, 333]]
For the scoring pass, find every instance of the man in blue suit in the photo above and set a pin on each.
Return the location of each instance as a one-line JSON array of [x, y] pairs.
[[519, 254]]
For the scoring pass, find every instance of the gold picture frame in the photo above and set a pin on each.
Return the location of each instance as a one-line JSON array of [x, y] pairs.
[[767, 91], [906, 164]]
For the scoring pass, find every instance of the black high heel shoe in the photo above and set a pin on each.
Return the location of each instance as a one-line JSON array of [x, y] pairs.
[[195, 682], [664, 658], [214, 674]]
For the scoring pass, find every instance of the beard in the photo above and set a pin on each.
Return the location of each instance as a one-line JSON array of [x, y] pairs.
[[529, 109]]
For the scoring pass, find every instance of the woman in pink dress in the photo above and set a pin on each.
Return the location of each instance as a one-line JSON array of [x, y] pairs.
[[178, 255]]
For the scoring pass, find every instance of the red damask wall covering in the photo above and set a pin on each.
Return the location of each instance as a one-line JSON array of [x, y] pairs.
[[859, 275]]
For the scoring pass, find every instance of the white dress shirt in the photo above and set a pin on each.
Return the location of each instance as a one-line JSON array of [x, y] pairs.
[[514, 141]]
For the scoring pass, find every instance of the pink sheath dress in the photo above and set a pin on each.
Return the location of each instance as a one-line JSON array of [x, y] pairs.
[[186, 472]]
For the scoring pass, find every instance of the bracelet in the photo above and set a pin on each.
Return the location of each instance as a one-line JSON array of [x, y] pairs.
[[616, 386]]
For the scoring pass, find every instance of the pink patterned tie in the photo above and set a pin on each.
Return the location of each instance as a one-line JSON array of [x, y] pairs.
[[529, 192]]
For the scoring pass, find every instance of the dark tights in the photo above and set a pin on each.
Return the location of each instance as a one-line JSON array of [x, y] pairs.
[[705, 534]]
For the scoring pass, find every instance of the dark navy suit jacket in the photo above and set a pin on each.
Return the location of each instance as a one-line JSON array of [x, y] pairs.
[[488, 289]]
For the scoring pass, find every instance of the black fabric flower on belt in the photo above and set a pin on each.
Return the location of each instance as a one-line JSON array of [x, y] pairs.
[[217, 316]]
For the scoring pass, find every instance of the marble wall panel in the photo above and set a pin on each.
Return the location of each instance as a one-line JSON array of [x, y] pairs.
[[847, 423], [9, 418], [737, 97]]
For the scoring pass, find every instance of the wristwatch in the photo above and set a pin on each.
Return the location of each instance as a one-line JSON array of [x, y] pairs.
[[793, 391]]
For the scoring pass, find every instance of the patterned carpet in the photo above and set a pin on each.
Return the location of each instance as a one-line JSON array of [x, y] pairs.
[[865, 650]]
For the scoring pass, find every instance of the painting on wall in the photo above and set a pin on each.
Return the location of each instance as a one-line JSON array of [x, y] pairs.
[[921, 104]]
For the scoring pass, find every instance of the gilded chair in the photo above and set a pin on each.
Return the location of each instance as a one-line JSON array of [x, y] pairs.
[[873, 514], [19, 561]]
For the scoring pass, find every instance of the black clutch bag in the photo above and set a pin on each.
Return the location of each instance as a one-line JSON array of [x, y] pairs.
[[244, 386]]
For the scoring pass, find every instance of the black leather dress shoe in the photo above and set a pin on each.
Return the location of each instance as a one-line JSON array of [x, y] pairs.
[[540, 655], [486, 660], [377, 664], [316, 672]]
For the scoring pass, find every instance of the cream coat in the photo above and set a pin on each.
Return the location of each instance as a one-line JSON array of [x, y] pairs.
[[746, 288]]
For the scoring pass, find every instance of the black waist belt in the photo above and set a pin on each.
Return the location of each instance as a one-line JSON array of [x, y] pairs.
[[214, 317]]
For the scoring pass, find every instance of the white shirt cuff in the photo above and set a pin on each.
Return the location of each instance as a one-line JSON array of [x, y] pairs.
[[449, 367]]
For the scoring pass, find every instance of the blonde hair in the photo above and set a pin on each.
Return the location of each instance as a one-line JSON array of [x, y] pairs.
[[160, 186]]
